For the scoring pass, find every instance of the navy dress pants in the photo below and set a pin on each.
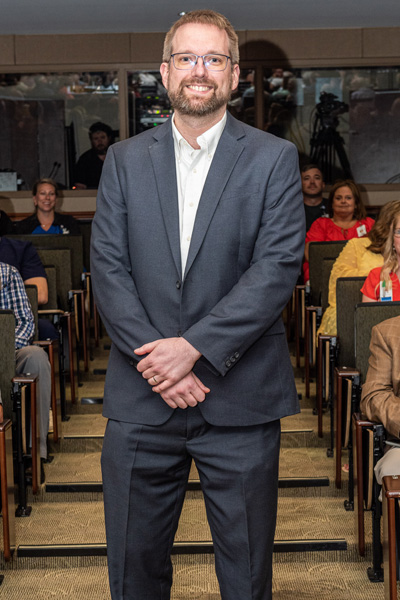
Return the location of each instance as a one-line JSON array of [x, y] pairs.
[[145, 472]]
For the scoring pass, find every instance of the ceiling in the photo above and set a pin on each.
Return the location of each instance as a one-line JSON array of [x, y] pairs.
[[119, 16]]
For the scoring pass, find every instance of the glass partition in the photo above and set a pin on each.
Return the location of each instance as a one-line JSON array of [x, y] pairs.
[[148, 103], [347, 120], [45, 121]]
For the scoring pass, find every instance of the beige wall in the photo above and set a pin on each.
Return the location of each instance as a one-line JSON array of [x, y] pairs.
[[310, 47]]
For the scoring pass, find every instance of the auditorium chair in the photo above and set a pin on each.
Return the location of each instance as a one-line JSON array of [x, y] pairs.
[[320, 268], [19, 406], [337, 350], [349, 381]]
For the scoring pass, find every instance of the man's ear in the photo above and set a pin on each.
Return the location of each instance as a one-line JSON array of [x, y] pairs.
[[164, 70], [235, 76]]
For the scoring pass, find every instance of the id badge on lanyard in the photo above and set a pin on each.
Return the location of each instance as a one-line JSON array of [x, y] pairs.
[[361, 231], [385, 292]]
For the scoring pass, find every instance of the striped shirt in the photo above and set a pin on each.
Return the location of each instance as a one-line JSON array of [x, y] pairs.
[[13, 297]]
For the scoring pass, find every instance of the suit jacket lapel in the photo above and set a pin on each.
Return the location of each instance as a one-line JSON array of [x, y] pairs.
[[228, 151], [163, 159]]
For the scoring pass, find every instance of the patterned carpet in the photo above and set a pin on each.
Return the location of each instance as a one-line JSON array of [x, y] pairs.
[[73, 518]]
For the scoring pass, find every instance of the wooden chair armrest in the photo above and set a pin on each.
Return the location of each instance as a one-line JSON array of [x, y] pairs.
[[24, 378], [4, 425], [341, 373], [346, 372]]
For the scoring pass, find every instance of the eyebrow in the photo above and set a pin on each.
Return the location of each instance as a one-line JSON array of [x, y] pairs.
[[205, 53]]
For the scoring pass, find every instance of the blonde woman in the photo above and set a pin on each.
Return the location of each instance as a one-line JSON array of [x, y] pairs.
[[382, 283]]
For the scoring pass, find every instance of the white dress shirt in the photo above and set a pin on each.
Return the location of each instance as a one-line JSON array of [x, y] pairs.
[[192, 168]]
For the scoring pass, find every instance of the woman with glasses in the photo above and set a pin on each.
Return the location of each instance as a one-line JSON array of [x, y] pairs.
[[382, 283], [347, 219]]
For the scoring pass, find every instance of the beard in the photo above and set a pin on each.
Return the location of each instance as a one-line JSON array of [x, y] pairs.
[[197, 106], [100, 150], [312, 194]]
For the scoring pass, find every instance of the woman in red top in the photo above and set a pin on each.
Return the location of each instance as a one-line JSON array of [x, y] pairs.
[[383, 283], [347, 219]]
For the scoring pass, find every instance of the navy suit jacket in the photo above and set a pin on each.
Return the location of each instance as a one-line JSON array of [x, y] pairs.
[[243, 262]]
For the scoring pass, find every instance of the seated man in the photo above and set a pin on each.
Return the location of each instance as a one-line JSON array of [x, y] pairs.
[[380, 400], [24, 257], [90, 165], [29, 359], [312, 186]]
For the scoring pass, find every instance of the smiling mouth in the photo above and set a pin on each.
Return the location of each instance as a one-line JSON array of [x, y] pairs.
[[200, 88]]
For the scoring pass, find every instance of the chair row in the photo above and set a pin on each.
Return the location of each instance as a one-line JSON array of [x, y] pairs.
[[19, 393], [340, 364]]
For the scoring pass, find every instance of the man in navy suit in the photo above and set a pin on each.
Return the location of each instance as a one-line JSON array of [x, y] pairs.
[[197, 243]]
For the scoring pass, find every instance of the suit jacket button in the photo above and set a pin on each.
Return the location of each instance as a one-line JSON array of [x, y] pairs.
[[178, 285], [228, 363], [236, 355], [179, 333]]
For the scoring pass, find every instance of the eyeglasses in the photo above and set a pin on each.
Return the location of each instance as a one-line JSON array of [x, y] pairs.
[[212, 62], [396, 233]]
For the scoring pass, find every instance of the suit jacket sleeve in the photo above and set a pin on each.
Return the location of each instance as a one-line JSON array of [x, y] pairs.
[[379, 401], [121, 310], [255, 303]]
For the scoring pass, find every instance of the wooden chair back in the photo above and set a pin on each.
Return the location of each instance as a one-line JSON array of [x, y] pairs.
[[347, 296]]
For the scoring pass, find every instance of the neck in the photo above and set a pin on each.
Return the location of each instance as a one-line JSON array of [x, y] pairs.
[[312, 200], [191, 127], [343, 219], [45, 217]]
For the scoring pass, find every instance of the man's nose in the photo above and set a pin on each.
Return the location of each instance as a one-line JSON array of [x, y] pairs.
[[199, 68]]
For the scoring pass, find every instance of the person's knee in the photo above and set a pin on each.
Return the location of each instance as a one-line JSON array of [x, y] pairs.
[[32, 359], [389, 464]]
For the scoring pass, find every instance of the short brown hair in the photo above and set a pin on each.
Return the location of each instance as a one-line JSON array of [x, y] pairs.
[[204, 17], [359, 209], [309, 166], [43, 180]]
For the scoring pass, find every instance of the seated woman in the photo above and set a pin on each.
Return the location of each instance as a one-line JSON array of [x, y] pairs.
[[45, 219], [357, 258], [380, 398], [382, 283], [347, 219]]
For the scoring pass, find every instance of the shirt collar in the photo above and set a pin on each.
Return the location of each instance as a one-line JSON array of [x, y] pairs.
[[207, 141]]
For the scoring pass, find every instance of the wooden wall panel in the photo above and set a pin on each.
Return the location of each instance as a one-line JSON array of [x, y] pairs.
[[302, 44], [72, 49], [7, 50], [146, 47], [381, 42], [336, 45]]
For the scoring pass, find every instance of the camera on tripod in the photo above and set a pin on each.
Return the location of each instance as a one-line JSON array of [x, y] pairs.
[[329, 107], [326, 144]]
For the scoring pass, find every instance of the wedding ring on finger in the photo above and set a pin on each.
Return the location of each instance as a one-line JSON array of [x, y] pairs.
[[155, 380]]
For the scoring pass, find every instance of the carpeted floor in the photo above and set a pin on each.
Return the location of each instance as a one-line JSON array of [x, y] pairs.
[[77, 518]]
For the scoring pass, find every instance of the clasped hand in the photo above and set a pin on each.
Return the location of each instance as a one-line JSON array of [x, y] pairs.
[[168, 369]]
